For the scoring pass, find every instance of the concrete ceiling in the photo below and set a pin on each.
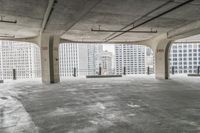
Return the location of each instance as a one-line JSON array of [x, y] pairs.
[[195, 38], [73, 19]]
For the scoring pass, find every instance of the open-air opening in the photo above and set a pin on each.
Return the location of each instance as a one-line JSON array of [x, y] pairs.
[[19, 60], [104, 59], [80, 60], [185, 58]]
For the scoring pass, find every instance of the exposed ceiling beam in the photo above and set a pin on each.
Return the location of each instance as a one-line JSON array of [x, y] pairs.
[[34, 40], [82, 16], [142, 17], [6, 36], [47, 14], [185, 31], [148, 20]]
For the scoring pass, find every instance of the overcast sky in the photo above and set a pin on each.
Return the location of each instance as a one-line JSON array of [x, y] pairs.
[[109, 47]]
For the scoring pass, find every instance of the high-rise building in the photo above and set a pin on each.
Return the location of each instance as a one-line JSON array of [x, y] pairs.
[[185, 57], [130, 57], [149, 60], [73, 57], [68, 59], [106, 63], [85, 58], [94, 58], [1, 62], [21, 56], [25, 58]]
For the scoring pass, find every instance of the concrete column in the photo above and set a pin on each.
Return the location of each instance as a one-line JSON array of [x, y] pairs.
[[161, 54], [49, 45]]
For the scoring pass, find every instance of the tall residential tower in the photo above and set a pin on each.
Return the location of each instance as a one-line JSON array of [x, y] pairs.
[[185, 57], [132, 57], [24, 57]]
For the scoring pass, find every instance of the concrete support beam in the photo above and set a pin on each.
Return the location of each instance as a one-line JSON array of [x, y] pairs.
[[161, 48], [49, 45], [34, 40], [184, 31]]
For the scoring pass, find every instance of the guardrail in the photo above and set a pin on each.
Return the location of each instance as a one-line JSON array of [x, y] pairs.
[[174, 70]]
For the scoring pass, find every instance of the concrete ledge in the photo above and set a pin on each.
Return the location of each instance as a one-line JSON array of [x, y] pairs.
[[1, 81], [196, 75], [103, 76]]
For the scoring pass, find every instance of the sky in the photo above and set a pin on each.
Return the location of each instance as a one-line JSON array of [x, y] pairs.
[[109, 47]]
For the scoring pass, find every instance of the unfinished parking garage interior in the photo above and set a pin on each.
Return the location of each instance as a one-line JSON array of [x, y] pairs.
[[162, 102]]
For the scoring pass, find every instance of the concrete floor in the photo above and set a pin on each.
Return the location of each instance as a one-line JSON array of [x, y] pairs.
[[116, 105]]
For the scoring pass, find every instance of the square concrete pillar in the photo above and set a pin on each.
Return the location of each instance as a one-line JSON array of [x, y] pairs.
[[49, 45]]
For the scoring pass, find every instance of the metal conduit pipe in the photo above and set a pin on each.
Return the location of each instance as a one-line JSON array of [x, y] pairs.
[[159, 15], [138, 31], [48, 13], [145, 15]]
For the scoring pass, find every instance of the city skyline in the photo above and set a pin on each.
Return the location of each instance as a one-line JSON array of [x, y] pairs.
[[87, 58]]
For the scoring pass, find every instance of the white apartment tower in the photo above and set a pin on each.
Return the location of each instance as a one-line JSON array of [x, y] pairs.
[[185, 57], [24, 57], [106, 62], [85, 58], [132, 57], [73, 56], [94, 58]]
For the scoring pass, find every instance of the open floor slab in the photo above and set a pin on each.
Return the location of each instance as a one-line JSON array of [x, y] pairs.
[[115, 105]]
